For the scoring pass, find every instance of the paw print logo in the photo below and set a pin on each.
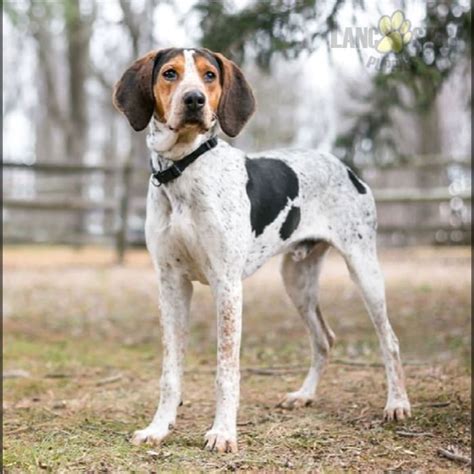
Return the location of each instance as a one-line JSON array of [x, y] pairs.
[[396, 33]]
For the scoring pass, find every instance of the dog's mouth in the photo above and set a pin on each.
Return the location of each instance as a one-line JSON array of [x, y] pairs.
[[193, 117], [192, 121]]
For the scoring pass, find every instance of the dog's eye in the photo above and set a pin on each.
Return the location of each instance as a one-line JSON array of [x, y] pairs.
[[209, 76], [170, 75]]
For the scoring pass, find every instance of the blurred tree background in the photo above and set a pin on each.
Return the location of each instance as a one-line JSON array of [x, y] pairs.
[[264, 30], [371, 109]]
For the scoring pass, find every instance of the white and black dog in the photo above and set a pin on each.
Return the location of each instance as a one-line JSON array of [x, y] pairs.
[[215, 214]]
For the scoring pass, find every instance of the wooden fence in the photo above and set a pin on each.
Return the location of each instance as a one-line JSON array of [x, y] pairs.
[[118, 205]]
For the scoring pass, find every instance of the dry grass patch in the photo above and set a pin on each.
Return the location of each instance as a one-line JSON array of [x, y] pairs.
[[86, 332]]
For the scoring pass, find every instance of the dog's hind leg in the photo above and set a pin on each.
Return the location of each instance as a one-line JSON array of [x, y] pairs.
[[365, 271], [301, 283]]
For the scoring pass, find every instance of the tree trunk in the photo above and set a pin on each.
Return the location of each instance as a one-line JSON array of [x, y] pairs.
[[49, 119], [78, 34], [429, 144]]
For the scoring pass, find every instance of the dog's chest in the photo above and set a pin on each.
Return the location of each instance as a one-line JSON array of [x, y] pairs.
[[178, 228], [180, 214]]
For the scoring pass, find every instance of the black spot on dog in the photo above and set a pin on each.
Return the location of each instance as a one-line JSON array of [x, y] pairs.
[[361, 189], [291, 222], [271, 184]]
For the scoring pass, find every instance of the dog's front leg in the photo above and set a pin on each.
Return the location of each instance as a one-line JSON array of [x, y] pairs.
[[222, 437], [175, 298]]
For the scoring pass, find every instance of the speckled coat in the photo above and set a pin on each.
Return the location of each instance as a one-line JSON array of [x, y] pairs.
[[221, 220]]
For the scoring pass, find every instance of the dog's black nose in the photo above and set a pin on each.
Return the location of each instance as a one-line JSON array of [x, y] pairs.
[[194, 100]]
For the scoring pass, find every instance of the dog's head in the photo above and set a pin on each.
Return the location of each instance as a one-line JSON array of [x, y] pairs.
[[185, 89]]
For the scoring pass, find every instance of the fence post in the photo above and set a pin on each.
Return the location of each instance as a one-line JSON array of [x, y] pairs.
[[121, 237]]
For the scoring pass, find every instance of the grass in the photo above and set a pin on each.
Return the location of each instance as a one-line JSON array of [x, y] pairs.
[[87, 333]]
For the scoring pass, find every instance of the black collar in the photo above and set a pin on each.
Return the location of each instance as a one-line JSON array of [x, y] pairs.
[[177, 168]]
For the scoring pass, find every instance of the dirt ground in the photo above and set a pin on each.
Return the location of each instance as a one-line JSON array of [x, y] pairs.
[[85, 332]]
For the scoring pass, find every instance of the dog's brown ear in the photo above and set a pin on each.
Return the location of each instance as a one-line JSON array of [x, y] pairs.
[[133, 93], [237, 102]]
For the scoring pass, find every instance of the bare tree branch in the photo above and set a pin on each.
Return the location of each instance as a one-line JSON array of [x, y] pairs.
[[131, 21]]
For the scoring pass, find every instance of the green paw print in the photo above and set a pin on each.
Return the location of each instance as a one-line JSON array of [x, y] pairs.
[[396, 32]]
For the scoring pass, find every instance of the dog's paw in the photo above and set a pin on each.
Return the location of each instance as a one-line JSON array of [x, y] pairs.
[[220, 442], [295, 400], [152, 435], [397, 410]]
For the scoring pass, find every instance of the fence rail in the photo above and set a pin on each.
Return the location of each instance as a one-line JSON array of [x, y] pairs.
[[417, 195], [425, 161], [119, 208], [66, 204], [52, 167]]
